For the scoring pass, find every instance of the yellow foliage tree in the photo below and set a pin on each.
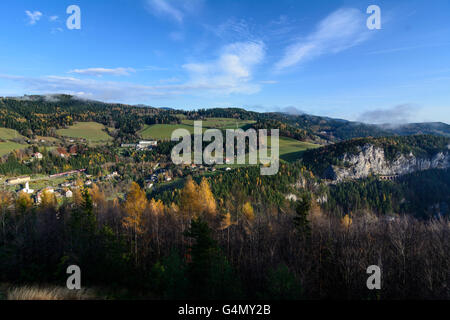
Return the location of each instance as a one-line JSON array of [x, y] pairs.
[[134, 206], [207, 199], [23, 202], [248, 212], [346, 221], [48, 199], [227, 222], [77, 193], [190, 203], [157, 207], [98, 197]]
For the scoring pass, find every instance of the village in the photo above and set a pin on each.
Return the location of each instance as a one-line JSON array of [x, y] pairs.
[[63, 184]]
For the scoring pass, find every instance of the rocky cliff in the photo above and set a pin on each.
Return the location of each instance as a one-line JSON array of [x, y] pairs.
[[372, 160]]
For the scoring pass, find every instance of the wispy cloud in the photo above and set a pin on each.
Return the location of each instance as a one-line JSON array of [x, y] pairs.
[[33, 17], [104, 71], [399, 114], [407, 48], [53, 18], [339, 31], [268, 81], [232, 71], [174, 9]]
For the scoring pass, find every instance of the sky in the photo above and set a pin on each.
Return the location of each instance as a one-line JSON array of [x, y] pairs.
[[317, 57]]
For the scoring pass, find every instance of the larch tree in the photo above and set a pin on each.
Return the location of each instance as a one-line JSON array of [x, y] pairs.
[[207, 199], [135, 205]]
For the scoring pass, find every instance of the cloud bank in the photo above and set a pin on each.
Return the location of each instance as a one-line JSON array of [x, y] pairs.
[[396, 115]]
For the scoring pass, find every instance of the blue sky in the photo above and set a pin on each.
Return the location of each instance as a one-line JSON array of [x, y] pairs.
[[317, 57]]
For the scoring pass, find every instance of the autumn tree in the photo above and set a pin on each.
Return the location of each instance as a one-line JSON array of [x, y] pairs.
[[48, 200], [135, 205], [190, 203], [23, 202], [208, 203], [98, 197]]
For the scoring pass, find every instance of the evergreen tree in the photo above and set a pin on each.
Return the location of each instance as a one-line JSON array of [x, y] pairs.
[[302, 209]]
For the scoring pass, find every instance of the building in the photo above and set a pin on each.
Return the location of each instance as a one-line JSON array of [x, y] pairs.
[[73, 150], [146, 144], [62, 153], [37, 156], [128, 145], [18, 180], [27, 189]]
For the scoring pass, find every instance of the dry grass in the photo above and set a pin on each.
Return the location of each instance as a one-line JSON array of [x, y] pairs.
[[48, 293]]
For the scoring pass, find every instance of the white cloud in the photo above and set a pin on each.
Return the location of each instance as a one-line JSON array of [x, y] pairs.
[[268, 81], [232, 71], [104, 71], [174, 9], [53, 18], [33, 17], [339, 31]]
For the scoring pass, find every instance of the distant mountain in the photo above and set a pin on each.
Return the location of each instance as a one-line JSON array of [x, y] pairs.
[[434, 128], [45, 111]]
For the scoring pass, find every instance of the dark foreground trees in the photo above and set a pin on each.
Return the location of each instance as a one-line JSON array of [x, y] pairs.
[[188, 255]]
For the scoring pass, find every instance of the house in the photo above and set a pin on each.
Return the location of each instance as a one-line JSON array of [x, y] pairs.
[[37, 156], [73, 150], [62, 153], [18, 180], [112, 175]]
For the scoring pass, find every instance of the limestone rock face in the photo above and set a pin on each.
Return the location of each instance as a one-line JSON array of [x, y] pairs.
[[372, 160]]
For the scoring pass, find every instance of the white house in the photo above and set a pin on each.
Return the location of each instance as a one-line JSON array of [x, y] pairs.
[[37, 156]]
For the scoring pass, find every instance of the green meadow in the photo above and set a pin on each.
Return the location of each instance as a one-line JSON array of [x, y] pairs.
[[91, 131], [9, 134], [8, 147], [164, 131]]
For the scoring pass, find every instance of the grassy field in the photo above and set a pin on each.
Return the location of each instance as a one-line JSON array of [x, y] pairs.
[[91, 131], [47, 139], [7, 147], [164, 131], [291, 149], [221, 123], [8, 134]]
